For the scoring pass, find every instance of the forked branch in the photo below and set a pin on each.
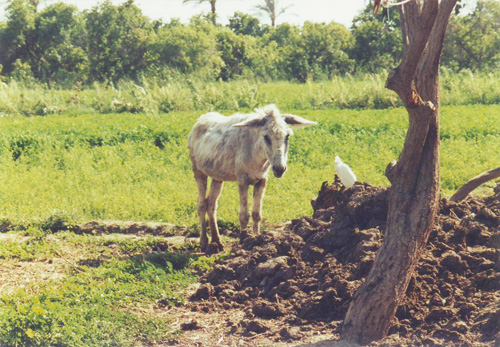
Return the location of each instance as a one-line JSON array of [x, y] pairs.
[[417, 21], [424, 26], [411, 79]]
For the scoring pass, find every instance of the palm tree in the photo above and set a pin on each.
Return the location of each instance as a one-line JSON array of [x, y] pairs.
[[271, 9], [212, 6]]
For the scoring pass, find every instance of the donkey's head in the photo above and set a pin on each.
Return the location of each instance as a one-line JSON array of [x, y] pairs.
[[275, 129]]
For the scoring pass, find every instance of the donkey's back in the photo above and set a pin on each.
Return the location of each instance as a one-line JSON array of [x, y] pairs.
[[218, 149]]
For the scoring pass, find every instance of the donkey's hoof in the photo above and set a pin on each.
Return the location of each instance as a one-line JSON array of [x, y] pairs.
[[244, 233], [220, 245], [204, 245], [214, 248]]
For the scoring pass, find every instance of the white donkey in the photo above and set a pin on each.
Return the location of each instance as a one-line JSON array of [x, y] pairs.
[[238, 148]]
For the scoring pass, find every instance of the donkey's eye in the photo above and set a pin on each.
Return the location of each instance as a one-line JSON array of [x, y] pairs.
[[267, 139]]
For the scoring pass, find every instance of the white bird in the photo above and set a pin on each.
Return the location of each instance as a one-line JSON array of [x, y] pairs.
[[347, 177]]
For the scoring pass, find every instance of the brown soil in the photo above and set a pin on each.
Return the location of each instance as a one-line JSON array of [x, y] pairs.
[[298, 282]]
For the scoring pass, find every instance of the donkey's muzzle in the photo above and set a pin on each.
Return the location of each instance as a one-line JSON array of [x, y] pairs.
[[278, 171]]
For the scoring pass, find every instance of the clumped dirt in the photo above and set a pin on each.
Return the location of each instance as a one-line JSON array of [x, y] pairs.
[[300, 280]]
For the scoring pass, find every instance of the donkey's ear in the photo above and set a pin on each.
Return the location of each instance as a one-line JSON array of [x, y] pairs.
[[252, 122], [297, 122]]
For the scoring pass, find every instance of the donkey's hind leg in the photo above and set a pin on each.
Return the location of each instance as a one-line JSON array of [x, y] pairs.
[[201, 181], [213, 196]]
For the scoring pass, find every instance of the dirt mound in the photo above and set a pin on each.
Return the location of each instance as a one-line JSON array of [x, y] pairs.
[[305, 276]]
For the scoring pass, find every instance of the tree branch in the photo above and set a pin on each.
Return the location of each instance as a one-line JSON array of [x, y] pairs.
[[475, 182], [421, 93], [417, 23], [432, 55]]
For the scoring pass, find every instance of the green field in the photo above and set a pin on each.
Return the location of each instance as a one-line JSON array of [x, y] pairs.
[[136, 166]]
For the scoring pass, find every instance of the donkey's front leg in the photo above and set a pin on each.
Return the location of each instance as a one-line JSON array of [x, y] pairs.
[[244, 214], [258, 195]]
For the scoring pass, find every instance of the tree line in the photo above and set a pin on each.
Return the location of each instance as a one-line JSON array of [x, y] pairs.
[[60, 45]]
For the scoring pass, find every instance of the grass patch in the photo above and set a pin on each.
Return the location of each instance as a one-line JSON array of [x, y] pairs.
[[113, 296], [33, 246], [94, 308]]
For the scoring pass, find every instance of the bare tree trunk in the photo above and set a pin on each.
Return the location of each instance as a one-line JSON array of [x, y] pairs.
[[475, 182], [214, 15], [414, 195]]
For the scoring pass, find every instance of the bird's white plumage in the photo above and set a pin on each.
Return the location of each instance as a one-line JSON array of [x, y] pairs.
[[347, 177]]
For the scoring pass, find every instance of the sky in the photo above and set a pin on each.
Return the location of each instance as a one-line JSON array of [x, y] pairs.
[[340, 11]]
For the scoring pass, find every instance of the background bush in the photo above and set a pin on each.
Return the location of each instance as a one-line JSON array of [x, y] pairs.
[[60, 46]]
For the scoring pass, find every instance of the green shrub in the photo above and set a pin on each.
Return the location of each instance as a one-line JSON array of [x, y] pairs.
[[57, 222]]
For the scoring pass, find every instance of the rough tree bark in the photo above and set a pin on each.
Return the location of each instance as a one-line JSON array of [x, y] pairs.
[[213, 10], [414, 195], [475, 182]]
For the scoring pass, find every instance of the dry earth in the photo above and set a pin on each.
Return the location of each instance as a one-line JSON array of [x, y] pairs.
[[297, 283]]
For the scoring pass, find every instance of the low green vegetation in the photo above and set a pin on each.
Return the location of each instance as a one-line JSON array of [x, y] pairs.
[[92, 308], [111, 290], [62, 169], [191, 94]]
